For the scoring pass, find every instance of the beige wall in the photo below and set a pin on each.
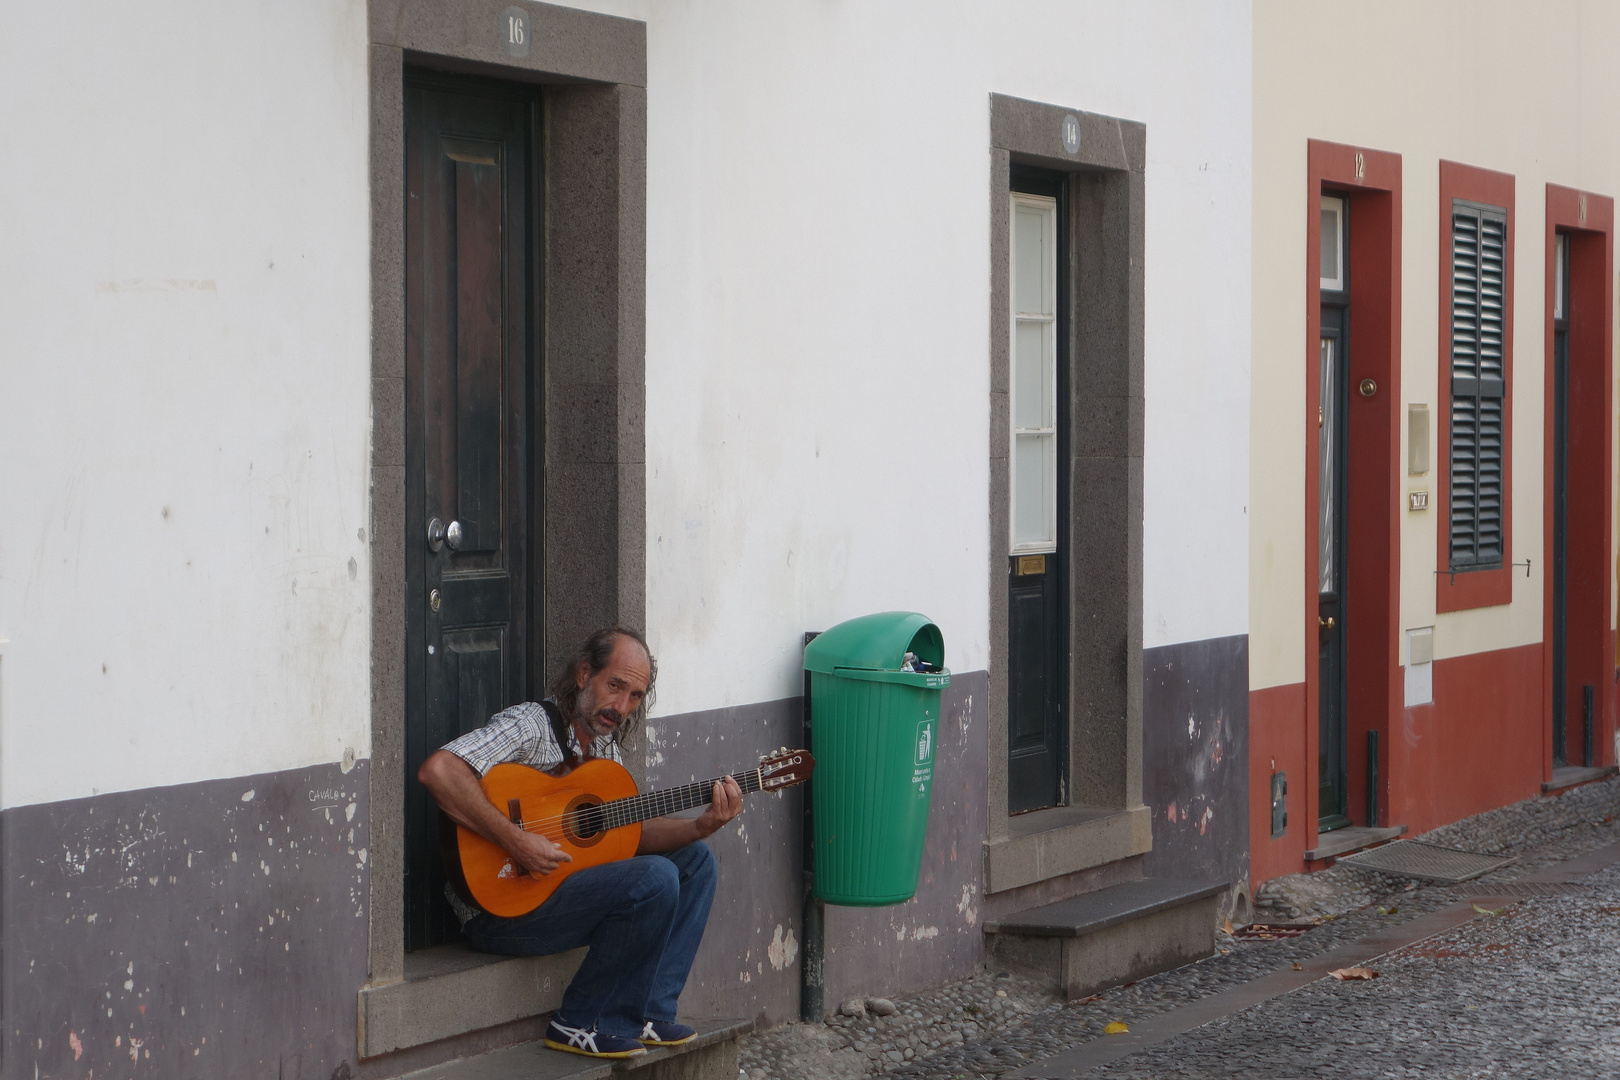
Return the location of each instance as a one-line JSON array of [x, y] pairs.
[[1526, 89]]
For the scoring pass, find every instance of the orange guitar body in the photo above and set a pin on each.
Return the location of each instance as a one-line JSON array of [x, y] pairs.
[[493, 879]]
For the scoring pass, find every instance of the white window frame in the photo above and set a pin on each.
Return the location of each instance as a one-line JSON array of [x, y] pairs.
[[1333, 204], [1047, 319]]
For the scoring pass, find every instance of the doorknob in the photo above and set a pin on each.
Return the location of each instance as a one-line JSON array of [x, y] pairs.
[[438, 535], [1327, 623]]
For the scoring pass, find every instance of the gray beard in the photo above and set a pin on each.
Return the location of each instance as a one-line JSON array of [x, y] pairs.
[[592, 722]]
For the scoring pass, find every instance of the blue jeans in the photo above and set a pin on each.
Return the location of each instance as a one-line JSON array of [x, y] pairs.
[[641, 917]]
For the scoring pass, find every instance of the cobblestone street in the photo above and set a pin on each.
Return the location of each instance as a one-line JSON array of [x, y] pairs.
[[1521, 986]]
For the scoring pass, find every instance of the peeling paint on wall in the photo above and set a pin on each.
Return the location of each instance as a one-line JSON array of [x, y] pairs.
[[1195, 727], [137, 932]]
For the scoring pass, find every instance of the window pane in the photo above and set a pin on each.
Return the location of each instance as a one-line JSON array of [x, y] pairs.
[[1332, 247], [1560, 258], [1034, 490], [1031, 289], [1031, 407]]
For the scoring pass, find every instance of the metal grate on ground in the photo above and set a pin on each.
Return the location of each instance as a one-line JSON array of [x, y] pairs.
[[1531, 888], [1425, 862], [1272, 931]]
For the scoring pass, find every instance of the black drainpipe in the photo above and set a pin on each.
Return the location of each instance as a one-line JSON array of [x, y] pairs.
[[812, 978]]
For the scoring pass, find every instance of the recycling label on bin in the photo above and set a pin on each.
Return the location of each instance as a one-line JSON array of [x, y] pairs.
[[923, 764]]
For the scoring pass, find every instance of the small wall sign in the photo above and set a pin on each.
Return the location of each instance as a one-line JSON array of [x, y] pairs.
[[1417, 500], [514, 31], [1071, 134]]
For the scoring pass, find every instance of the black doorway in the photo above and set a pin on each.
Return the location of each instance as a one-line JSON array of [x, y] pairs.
[[471, 403], [1037, 569], [1333, 503]]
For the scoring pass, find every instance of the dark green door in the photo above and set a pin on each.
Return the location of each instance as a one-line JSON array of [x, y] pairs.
[[1332, 515], [1561, 698], [468, 388], [1037, 569]]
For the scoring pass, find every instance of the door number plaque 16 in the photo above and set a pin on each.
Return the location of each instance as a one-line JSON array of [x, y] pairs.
[[515, 31]]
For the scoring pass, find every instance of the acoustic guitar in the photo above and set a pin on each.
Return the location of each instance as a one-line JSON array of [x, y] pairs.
[[592, 812]]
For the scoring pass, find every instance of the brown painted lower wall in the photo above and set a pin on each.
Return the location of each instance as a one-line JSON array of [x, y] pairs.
[[209, 929], [748, 965], [1195, 758]]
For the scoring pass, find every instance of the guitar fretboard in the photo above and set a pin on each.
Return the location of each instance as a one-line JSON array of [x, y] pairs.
[[620, 812]]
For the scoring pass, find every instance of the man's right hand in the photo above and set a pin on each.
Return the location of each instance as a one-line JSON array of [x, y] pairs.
[[454, 786], [535, 853]]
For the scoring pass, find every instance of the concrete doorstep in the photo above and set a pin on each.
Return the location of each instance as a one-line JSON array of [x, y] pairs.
[[1114, 935], [1077, 1061], [710, 1056]]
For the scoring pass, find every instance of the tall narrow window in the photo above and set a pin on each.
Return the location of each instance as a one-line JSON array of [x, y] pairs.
[[1478, 384], [1034, 375]]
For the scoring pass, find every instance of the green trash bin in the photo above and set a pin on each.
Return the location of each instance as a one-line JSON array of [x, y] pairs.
[[874, 728]]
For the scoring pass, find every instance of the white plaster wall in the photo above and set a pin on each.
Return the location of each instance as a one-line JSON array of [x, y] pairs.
[[818, 275], [184, 404], [1521, 89]]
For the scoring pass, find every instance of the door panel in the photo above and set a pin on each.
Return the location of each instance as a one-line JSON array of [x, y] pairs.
[[1561, 698], [1035, 744], [468, 440], [1333, 439], [479, 381]]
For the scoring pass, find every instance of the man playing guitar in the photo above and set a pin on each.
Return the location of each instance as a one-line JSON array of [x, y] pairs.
[[642, 917]]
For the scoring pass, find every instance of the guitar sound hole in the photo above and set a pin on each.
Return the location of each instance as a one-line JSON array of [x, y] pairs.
[[582, 821]]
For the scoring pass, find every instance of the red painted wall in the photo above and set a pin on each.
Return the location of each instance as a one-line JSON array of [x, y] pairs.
[[1277, 736], [1477, 747]]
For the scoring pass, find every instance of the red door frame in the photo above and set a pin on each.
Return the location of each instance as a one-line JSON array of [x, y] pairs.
[[1589, 221], [1371, 179]]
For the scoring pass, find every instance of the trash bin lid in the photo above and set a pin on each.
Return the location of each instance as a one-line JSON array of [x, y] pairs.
[[874, 647]]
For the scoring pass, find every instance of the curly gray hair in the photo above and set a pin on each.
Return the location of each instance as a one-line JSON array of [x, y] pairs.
[[594, 654]]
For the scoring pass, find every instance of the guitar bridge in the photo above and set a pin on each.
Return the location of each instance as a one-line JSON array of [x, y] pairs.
[[514, 811]]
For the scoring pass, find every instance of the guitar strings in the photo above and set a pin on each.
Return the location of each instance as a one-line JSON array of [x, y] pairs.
[[659, 802], [667, 801]]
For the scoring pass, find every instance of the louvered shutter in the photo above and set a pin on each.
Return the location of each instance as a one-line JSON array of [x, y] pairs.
[[1478, 383]]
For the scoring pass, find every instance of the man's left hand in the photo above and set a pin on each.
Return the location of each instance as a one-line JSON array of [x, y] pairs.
[[727, 802]]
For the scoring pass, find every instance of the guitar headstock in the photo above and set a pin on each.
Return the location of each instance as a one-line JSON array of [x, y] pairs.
[[785, 768]]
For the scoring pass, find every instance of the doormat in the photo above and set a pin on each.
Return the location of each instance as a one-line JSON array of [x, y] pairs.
[[1532, 888], [1272, 931], [1425, 862]]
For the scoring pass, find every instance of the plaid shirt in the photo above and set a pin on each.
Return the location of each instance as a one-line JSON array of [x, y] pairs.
[[523, 734]]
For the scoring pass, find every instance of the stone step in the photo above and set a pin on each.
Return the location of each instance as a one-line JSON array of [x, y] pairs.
[[1114, 935], [1350, 839], [1568, 776], [710, 1056], [450, 990]]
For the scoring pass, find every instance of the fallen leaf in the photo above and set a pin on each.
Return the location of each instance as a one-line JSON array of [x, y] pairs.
[[1116, 1027], [1298, 966], [1353, 974], [1389, 911], [1488, 911], [1227, 926]]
